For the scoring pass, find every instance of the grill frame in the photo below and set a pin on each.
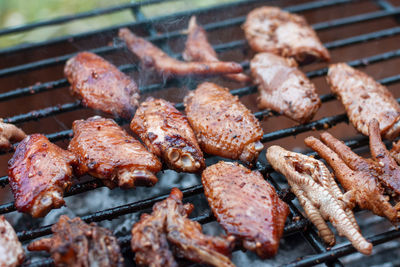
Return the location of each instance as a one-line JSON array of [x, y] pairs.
[[330, 257]]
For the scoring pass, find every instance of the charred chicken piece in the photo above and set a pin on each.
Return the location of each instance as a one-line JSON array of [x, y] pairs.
[[270, 29], [283, 87], [153, 57], [39, 173], [365, 99], [101, 85], [167, 134], [9, 133], [357, 175], [106, 151], [319, 195], [168, 229], [223, 126], [246, 206], [198, 49], [11, 252], [75, 243]]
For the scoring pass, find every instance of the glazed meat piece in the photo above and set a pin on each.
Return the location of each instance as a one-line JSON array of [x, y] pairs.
[[198, 49], [39, 173], [246, 206], [395, 152], [153, 57], [283, 87], [75, 243], [106, 151], [365, 99], [11, 252], [357, 176], [168, 229], [223, 126], [270, 29], [319, 195], [9, 134], [101, 85], [167, 134]]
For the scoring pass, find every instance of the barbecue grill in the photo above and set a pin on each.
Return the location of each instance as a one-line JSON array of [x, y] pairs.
[[35, 96]]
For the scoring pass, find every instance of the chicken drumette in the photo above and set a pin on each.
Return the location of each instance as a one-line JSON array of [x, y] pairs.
[[11, 252], [75, 243], [9, 134], [320, 196], [106, 151], [39, 173]]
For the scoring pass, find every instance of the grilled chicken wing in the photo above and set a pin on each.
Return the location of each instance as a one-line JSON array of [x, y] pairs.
[[75, 243], [39, 173], [246, 206], [152, 56], [270, 29], [365, 99], [198, 49], [106, 151], [9, 133], [101, 85], [11, 252], [283, 87], [223, 126], [168, 228], [357, 175], [167, 134], [320, 196]]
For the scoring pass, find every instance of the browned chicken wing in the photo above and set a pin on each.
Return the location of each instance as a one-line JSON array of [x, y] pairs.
[[167, 134], [283, 87], [11, 252], [153, 57], [246, 206], [39, 173], [320, 196], [75, 243], [9, 133], [270, 29], [106, 151], [101, 85], [365, 99], [198, 49], [357, 175], [223, 126], [168, 229]]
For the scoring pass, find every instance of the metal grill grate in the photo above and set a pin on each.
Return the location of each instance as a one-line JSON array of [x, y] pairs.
[[150, 27]]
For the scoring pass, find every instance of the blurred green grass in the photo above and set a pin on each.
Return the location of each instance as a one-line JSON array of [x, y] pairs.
[[19, 12]]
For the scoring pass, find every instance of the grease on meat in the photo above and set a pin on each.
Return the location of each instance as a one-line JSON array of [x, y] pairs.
[[283, 87], [167, 134], [223, 126], [101, 85], [11, 252], [9, 134], [246, 206], [39, 173], [106, 151]]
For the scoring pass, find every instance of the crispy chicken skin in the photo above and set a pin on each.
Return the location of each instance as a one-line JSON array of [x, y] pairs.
[[167, 134], [39, 172], [223, 126], [101, 85], [11, 252], [153, 57], [283, 87], [106, 151], [357, 176], [9, 133], [198, 49], [168, 229], [246, 206], [320, 196], [77, 244], [270, 29], [365, 99]]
